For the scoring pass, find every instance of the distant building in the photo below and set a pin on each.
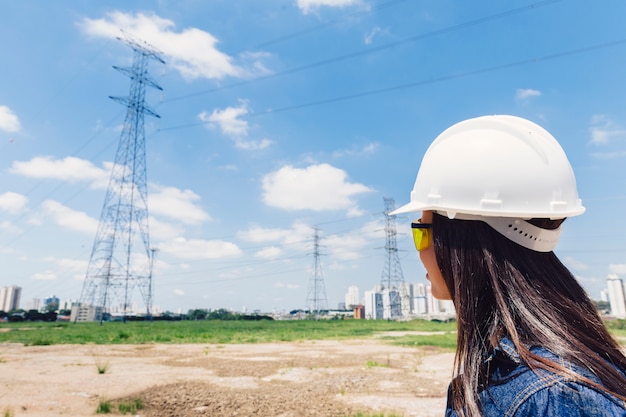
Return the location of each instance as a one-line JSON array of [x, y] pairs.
[[617, 299], [420, 302], [447, 307], [352, 297], [604, 296], [67, 304], [51, 303], [85, 312], [33, 304], [359, 312], [10, 298], [373, 305], [431, 301], [406, 299], [391, 304]]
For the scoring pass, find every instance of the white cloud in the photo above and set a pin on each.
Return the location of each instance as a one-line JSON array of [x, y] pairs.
[[602, 136], [575, 264], [259, 234], [177, 204], [307, 6], [367, 149], [604, 131], [288, 286], [525, 94], [352, 246], [12, 202], [45, 276], [68, 218], [609, 155], [199, 249], [618, 269], [163, 231], [192, 52], [8, 120], [9, 227], [346, 248], [228, 119], [179, 292], [271, 252], [229, 122], [67, 169], [229, 167], [318, 187], [252, 145], [369, 37], [75, 267], [298, 237]]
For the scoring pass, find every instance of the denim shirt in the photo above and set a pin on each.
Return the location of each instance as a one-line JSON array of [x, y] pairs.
[[516, 390]]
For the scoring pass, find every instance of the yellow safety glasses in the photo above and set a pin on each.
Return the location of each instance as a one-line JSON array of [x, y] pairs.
[[421, 234]]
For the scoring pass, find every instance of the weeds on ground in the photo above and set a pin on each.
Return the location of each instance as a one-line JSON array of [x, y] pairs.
[[130, 407], [374, 364], [104, 407], [41, 341], [445, 341], [102, 367], [8, 413]]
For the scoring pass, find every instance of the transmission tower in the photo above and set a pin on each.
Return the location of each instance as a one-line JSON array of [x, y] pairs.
[[316, 298], [392, 279], [121, 258]]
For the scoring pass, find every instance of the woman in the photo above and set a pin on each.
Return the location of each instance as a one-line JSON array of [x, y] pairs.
[[493, 192]]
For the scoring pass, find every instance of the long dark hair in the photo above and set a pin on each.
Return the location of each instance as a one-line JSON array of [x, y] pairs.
[[499, 289]]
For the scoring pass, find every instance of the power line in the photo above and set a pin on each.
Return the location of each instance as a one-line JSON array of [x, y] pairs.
[[380, 6], [414, 84], [368, 51]]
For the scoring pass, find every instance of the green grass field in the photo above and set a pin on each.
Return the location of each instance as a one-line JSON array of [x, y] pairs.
[[237, 331], [222, 332]]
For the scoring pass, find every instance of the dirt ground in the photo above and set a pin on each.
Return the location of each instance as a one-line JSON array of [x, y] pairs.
[[316, 378]]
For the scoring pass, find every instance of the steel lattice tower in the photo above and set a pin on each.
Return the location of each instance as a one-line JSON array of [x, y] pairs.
[[392, 279], [316, 298], [121, 258]]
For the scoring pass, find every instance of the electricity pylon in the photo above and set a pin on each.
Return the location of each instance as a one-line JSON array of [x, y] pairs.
[[316, 298], [121, 258], [392, 279]]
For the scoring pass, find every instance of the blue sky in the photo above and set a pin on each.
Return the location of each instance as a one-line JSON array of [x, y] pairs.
[[279, 116]]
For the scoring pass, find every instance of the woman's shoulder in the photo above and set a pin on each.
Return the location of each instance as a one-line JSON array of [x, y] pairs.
[[567, 398], [516, 390]]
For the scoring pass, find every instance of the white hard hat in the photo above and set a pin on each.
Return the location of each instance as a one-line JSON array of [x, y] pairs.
[[495, 166]]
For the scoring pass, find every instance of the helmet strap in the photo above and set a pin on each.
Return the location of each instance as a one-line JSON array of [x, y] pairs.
[[520, 231], [525, 234]]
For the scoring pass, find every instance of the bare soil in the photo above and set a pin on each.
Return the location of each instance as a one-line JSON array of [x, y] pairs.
[[316, 378]]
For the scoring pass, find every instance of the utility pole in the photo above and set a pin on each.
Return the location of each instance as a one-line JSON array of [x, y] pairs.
[[121, 258], [392, 279], [316, 298]]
